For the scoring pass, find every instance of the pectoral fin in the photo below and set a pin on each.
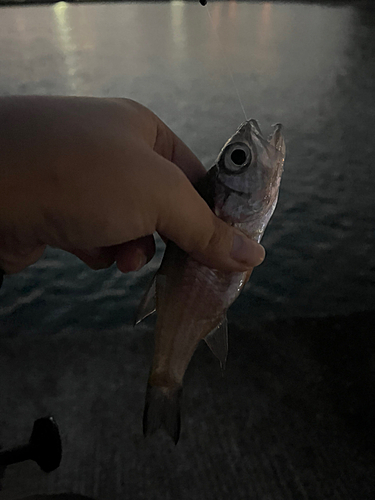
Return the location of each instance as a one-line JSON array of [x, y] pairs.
[[147, 305], [217, 341]]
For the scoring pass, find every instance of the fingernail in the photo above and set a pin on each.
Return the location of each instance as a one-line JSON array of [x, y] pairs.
[[246, 251]]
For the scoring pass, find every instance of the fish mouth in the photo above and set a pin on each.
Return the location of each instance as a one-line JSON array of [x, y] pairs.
[[247, 129], [277, 139], [250, 128]]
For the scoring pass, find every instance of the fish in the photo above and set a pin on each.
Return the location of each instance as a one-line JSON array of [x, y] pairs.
[[191, 299]]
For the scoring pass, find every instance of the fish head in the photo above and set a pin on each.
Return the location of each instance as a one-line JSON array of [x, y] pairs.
[[248, 174]]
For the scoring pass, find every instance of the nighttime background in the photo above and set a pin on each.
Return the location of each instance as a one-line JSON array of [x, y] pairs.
[[293, 416]]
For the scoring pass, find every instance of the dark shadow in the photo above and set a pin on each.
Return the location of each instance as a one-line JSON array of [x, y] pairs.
[[62, 496], [325, 365]]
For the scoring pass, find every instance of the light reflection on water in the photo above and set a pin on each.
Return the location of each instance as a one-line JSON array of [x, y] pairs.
[[308, 66]]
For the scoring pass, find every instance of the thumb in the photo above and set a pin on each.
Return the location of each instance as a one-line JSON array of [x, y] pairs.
[[186, 219]]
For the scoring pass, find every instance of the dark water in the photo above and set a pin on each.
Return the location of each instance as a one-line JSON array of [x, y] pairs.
[[309, 66], [66, 345]]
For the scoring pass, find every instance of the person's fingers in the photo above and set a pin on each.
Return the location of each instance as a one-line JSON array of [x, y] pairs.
[[185, 218], [96, 258], [133, 255], [12, 263], [129, 256], [171, 147], [162, 139]]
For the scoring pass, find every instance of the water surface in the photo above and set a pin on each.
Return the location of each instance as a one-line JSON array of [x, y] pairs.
[[310, 67]]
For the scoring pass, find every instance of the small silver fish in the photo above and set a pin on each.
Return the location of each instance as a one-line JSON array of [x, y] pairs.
[[191, 299]]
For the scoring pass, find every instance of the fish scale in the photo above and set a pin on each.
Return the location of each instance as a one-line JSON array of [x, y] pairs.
[[200, 292]]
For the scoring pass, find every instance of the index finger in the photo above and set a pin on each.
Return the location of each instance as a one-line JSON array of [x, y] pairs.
[[171, 147]]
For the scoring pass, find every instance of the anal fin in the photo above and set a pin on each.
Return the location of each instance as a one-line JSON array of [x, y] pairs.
[[217, 341]]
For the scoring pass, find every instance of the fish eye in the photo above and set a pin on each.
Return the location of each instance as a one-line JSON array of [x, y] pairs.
[[237, 158]]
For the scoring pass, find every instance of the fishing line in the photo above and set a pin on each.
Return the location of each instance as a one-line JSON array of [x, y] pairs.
[[226, 61]]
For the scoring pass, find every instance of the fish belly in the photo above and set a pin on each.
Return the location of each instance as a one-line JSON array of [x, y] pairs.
[[191, 301]]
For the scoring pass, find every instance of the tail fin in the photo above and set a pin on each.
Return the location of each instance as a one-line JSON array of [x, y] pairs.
[[162, 409]]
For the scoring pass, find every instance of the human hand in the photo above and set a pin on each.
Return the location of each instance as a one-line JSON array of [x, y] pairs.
[[97, 177]]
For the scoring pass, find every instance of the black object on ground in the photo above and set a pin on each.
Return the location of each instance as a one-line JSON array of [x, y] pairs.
[[44, 447]]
